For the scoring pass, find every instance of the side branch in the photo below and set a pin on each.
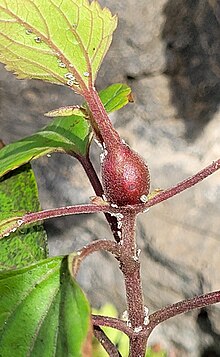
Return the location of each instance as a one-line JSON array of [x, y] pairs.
[[103, 244], [96, 184], [183, 185], [181, 307], [112, 322], [13, 223], [106, 343], [64, 211]]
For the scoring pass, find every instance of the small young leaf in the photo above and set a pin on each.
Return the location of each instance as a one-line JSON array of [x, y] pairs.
[[43, 312], [9, 224], [67, 111], [62, 42], [115, 97], [70, 133], [18, 193]]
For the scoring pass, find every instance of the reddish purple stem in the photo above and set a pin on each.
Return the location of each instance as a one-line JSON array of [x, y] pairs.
[[106, 343], [112, 322], [93, 208], [184, 185], [64, 211], [181, 307]]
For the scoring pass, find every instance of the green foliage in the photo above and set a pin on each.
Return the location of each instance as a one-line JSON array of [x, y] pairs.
[[70, 132], [115, 97], [62, 42], [43, 312], [18, 191]]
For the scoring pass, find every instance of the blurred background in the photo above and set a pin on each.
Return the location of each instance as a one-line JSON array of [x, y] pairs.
[[168, 51]]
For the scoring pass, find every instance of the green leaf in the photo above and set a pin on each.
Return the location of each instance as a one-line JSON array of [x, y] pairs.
[[43, 312], [69, 132], [18, 193], [64, 134], [115, 96], [62, 42]]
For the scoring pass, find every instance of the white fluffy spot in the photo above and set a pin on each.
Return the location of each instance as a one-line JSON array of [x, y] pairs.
[[146, 320], [146, 210], [20, 222], [70, 83], [119, 224], [143, 198], [117, 215], [37, 39], [61, 64], [125, 315], [146, 317], [69, 76], [138, 329]]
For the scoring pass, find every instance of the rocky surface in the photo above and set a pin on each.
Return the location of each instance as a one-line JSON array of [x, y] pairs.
[[168, 52]]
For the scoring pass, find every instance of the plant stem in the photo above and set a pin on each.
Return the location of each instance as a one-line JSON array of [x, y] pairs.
[[18, 221], [175, 190], [113, 323], [64, 211], [130, 267], [101, 244], [96, 184], [106, 343], [182, 307], [183, 185], [110, 136]]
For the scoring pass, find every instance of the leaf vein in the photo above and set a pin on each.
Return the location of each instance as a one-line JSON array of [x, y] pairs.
[[28, 292], [35, 335], [37, 64], [51, 44], [75, 34]]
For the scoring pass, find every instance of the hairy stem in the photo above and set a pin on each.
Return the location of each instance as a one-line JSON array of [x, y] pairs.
[[96, 184], [113, 323], [182, 307], [101, 244], [17, 222], [106, 343], [184, 185], [108, 133], [130, 267], [64, 211]]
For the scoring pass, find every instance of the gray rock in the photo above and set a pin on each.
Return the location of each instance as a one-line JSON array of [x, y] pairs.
[[168, 51]]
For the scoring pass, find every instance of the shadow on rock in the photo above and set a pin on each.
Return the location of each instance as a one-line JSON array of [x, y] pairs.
[[191, 33]]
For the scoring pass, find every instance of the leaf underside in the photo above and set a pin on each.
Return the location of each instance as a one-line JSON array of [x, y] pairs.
[[62, 42], [43, 312], [18, 192]]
